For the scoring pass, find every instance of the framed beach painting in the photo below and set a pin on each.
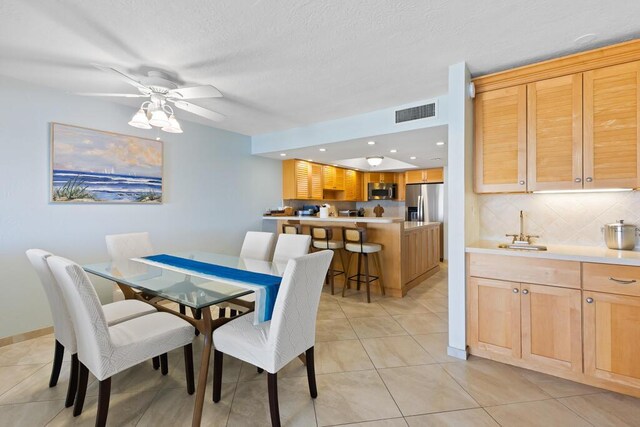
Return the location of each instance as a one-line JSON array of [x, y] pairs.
[[92, 166]]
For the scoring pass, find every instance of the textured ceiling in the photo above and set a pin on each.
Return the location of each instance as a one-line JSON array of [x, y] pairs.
[[289, 63]]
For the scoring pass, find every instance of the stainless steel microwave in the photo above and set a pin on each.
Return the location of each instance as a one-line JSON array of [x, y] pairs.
[[383, 191]]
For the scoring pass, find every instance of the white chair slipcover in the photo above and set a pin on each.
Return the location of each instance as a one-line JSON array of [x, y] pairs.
[[126, 246], [258, 245], [291, 246]]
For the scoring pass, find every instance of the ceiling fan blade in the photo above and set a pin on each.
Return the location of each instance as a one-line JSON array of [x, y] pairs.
[[197, 110], [123, 77], [124, 95], [194, 92]]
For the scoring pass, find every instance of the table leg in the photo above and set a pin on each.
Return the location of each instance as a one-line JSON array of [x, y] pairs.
[[206, 328]]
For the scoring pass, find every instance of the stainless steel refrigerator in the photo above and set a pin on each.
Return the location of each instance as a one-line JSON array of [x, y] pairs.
[[425, 202]]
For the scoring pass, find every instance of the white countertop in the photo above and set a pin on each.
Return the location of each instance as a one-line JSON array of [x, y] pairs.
[[410, 225], [351, 219], [562, 252]]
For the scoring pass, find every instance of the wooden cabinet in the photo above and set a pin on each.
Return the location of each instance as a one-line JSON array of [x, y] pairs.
[[420, 251], [501, 140], [401, 187], [381, 177], [612, 337], [612, 126], [554, 134], [351, 186], [301, 180], [333, 178], [316, 182], [420, 176]]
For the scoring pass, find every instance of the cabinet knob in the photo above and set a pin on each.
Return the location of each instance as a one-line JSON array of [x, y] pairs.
[[521, 182], [578, 179], [525, 291], [589, 300], [515, 290], [589, 179]]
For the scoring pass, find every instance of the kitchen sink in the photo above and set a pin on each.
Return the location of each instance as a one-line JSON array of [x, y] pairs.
[[522, 247]]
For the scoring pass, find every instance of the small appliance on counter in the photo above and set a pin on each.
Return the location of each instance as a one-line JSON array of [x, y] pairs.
[[361, 212], [324, 211], [620, 236], [309, 210], [348, 212]]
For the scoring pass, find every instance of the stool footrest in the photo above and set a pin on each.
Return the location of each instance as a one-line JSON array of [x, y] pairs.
[[363, 278]]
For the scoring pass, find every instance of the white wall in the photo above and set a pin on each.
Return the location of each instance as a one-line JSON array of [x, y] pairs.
[[214, 191], [461, 202]]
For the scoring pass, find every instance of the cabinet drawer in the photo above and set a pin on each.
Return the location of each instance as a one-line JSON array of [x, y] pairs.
[[613, 279], [538, 271]]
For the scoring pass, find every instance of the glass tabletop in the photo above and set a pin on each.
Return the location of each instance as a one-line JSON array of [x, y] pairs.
[[192, 290]]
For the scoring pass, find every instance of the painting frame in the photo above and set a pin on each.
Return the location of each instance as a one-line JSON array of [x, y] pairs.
[[151, 196]]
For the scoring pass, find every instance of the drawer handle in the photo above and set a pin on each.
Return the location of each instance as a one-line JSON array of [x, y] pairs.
[[624, 282]]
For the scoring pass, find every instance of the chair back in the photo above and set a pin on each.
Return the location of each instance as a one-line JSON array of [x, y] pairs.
[[321, 233], [62, 324], [130, 245], [292, 228], [291, 246], [258, 245], [92, 331], [356, 235], [293, 325]]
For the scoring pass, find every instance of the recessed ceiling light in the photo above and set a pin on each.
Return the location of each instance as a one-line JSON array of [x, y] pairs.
[[440, 143], [309, 160], [323, 149], [412, 157], [393, 151], [283, 154], [371, 143], [585, 39]]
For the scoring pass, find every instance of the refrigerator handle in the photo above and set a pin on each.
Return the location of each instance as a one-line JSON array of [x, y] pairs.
[[419, 208]]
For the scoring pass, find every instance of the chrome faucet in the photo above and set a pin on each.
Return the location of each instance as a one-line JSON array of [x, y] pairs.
[[522, 239]]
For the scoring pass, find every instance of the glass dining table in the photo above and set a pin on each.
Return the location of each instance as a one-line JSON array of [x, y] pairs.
[[157, 282]]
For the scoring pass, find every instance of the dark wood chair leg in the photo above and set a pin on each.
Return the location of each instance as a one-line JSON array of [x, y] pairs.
[[164, 364], [366, 276], [58, 354], [217, 375], [73, 382], [260, 370], [156, 362], [83, 377], [311, 373], [359, 271], [104, 394], [188, 368], [272, 383]]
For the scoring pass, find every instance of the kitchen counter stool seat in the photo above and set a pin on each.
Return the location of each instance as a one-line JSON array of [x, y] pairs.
[[355, 239], [367, 248]]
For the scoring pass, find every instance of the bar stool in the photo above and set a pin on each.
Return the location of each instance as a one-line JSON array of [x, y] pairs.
[[291, 228], [355, 242], [322, 239]]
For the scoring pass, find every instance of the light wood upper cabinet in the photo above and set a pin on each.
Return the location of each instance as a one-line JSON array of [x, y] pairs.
[[316, 182], [401, 186], [554, 130], [333, 178], [612, 337], [434, 175], [612, 126], [414, 176], [301, 180], [501, 140], [350, 185], [552, 326], [420, 176]]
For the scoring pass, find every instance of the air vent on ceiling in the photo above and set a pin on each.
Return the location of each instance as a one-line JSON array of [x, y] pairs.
[[415, 113]]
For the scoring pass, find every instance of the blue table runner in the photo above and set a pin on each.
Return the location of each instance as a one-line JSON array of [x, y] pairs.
[[270, 283]]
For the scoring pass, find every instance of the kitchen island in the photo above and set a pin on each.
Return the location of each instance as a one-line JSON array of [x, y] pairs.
[[410, 250]]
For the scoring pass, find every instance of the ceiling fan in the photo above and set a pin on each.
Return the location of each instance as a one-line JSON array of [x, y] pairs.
[[160, 90]]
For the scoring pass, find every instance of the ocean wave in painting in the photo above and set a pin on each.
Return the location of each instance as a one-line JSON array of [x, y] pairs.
[[105, 187]]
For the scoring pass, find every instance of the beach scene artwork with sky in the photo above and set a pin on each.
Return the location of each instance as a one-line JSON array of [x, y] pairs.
[[102, 167]]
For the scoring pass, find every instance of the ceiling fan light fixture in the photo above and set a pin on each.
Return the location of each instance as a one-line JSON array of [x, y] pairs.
[[140, 120], [374, 160], [159, 119], [174, 126]]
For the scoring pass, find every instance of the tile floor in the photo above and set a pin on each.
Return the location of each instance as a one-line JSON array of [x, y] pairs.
[[382, 364]]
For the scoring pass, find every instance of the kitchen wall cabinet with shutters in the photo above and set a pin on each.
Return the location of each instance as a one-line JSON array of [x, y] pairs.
[[303, 180], [334, 178], [421, 176]]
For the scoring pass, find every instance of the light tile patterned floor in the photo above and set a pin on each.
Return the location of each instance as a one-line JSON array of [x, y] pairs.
[[382, 364]]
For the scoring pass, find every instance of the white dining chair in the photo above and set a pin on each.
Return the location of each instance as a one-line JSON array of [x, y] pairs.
[[65, 337], [258, 245], [291, 246], [290, 332], [107, 350], [122, 247]]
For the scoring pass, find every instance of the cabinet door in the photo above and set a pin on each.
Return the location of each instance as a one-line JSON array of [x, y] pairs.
[[302, 172], [494, 316], [552, 326], [612, 337], [501, 140], [434, 175], [339, 179], [361, 192], [401, 186], [554, 134], [350, 185], [374, 177], [414, 176], [316, 182], [329, 177], [612, 126]]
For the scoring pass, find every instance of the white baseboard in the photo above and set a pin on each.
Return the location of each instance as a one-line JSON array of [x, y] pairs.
[[457, 353]]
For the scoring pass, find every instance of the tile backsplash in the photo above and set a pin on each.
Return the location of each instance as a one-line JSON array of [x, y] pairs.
[[568, 219]]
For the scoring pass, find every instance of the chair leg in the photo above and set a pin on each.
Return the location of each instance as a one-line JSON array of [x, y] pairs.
[[376, 258], [217, 375], [188, 368], [272, 383], [346, 275], [58, 354], [164, 364], [83, 377], [366, 276], [156, 362], [104, 394], [345, 267], [359, 271], [73, 382], [311, 373]]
